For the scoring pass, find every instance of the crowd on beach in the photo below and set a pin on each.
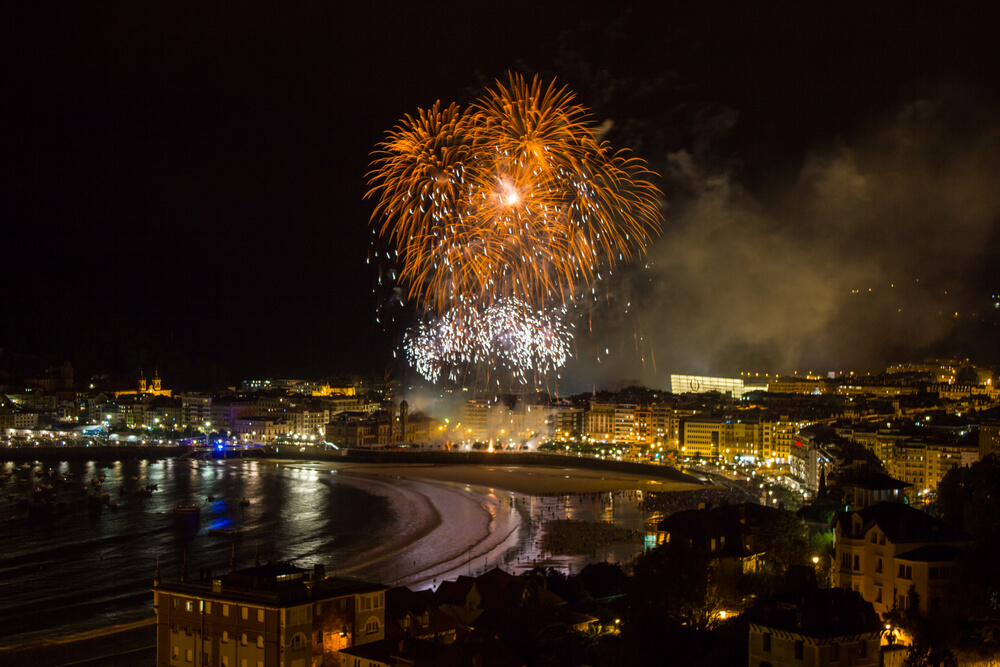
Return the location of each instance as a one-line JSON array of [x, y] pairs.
[[571, 537], [669, 502]]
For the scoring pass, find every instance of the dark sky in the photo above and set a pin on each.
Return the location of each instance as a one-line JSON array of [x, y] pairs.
[[184, 183]]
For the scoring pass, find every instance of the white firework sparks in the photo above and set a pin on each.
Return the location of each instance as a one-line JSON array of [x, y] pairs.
[[508, 334]]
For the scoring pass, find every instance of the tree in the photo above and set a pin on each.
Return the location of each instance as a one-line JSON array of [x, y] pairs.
[[785, 542], [603, 580], [969, 498], [675, 582]]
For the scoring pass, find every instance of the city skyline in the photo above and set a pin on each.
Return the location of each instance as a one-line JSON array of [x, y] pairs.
[[187, 189]]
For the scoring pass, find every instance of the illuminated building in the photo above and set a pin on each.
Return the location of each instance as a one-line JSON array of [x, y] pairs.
[[260, 429], [698, 384], [797, 385], [146, 389], [887, 548], [274, 614], [989, 438], [600, 421], [702, 436], [196, 410]]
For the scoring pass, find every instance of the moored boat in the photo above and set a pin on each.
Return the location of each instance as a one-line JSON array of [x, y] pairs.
[[186, 509]]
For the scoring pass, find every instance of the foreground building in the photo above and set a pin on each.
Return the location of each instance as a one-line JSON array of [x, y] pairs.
[[270, 615], [888, 548], [817, 627]]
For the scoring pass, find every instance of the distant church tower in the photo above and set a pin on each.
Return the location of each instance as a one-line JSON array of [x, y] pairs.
[[142, 382], [156, 380]]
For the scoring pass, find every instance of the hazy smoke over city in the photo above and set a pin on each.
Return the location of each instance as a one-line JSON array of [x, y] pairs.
[[877, 248]]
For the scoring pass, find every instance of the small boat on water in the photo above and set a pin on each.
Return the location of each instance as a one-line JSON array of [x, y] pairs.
[[186, 509]]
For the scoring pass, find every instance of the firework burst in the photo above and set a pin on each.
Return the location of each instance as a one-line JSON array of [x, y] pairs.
[[510, 206], [509, 335]]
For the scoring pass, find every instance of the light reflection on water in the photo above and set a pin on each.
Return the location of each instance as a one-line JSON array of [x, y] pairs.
[[97, 570]]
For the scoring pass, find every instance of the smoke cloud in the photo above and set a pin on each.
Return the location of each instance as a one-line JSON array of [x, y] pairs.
[[874, 251]]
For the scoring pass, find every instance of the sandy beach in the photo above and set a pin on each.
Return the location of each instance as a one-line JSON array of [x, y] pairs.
[[464, 519], [524, 480]]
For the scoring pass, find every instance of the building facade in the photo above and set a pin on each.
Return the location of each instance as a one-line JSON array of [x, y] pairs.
[[275, 614]]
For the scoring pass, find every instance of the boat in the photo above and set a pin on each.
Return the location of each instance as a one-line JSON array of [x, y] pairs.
[[187, 509]]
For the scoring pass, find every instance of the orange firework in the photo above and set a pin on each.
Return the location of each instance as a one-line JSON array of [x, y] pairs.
[[514, 198]]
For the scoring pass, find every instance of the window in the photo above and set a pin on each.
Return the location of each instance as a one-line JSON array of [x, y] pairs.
[[189, 605], [798, 650], [177, 603], [857, 562], [905, 572], [244, 613], [260, 641], [935, 573], [878, 567], [225, 661], [225, 610], [225, 637], [243, 662], [208, 607], [878, 594], [874, 537], [243, 639], [260, 615], [767, 641], [189, 655], [298, 641], [175, 652], [371, 627]]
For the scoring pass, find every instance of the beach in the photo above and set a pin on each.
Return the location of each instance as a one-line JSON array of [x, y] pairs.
[[473, 517], [524, 480]]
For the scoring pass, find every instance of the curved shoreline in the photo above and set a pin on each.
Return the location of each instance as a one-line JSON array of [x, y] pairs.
[[451, 526], [426, 517]]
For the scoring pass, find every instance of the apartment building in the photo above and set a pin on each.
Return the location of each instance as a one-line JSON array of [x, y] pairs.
[[275, 614], [885, 549]]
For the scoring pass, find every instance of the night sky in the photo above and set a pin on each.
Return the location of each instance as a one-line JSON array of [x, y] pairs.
[[184, 184]]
